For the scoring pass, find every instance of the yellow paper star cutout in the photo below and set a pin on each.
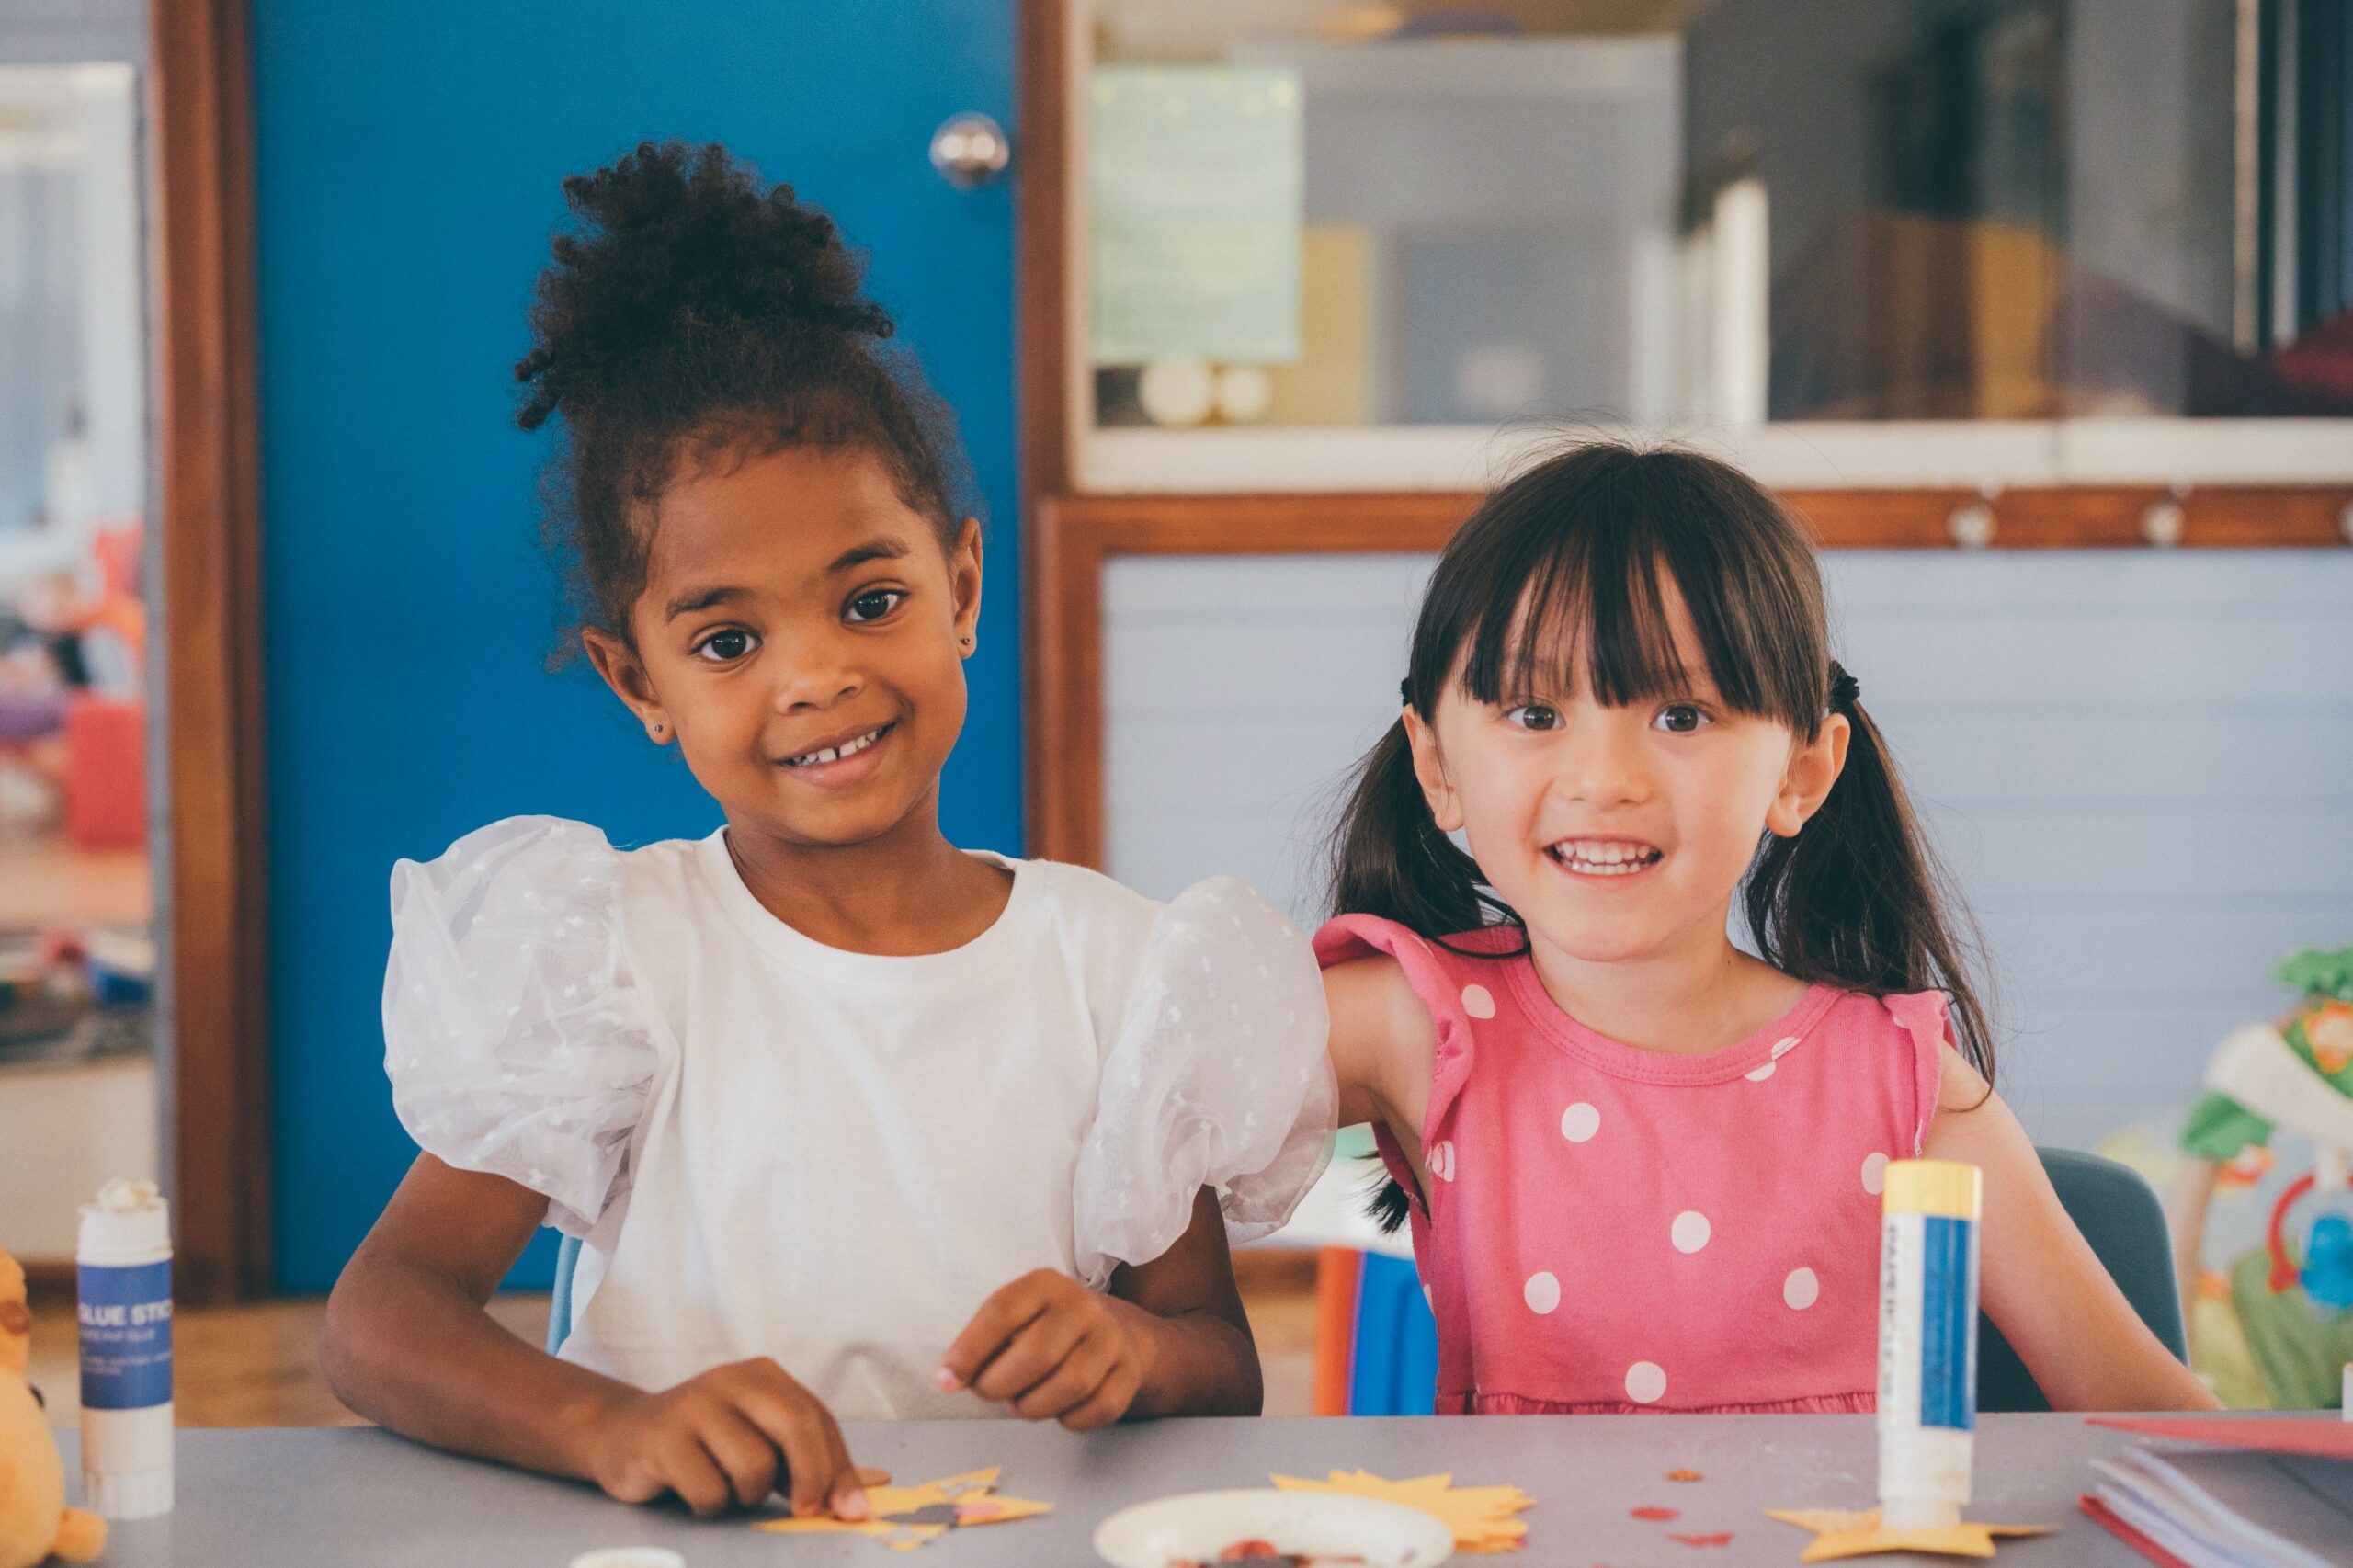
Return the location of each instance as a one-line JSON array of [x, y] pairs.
[[903, 1517], [1480, 1516], [1839, 1532]]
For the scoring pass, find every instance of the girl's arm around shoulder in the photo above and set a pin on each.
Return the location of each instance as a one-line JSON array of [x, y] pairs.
[[2041, 1281], [1384, 1046], [409, 1344]]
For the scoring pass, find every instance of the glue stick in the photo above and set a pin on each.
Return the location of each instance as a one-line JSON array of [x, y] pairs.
[[125, 1267], [1927, 1342]]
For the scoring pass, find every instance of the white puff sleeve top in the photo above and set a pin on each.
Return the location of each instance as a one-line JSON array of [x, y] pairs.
[[773, 1147]]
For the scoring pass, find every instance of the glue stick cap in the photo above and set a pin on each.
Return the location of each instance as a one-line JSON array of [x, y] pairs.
[[1945, 1188], [129, 1224]]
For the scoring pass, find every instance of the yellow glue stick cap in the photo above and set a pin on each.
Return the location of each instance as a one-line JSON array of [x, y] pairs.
[[1946, 1188]]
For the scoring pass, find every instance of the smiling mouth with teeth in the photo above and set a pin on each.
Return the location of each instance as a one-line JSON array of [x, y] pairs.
[[834, 754], [1604, 857]]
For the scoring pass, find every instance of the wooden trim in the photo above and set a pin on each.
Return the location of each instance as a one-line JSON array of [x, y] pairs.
[[1071, 538], [1042, 331], [211, 550]]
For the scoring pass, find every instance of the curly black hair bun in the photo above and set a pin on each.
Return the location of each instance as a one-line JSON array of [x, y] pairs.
[[692, 307], [679, 241]]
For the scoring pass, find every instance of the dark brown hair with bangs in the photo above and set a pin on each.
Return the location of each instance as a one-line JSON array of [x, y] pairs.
[[1566, 569]]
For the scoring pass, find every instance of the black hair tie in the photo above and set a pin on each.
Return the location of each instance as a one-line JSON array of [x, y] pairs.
[[1845, 689]]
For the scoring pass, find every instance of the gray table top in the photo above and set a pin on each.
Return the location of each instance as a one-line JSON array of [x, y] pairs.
[[279, 1499]]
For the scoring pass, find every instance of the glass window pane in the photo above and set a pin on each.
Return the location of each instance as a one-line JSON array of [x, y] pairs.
[[1683, 214]]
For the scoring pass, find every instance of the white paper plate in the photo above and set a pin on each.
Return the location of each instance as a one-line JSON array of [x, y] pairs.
[[1198, 1525]]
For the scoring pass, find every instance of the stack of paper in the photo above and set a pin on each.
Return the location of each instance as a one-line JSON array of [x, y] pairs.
[[2238, 1508]]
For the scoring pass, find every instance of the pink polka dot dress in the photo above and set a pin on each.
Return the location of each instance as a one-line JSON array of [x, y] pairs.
[[1617, 1230]]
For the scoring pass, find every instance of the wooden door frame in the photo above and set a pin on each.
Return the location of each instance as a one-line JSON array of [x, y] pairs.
[[1068, 536], [215, 876]]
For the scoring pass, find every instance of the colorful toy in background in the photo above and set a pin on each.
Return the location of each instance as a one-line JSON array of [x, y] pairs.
[[35, 1523], [75, 995], [2274, 1328], [72, 713]]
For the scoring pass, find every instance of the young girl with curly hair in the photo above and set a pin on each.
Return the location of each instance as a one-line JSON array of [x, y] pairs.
[[853, 1123]]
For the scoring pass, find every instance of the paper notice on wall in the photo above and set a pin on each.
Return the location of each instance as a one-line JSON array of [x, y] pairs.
[[1194, 196]]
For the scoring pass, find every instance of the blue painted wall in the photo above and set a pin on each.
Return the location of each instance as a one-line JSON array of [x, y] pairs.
[[407, 158]]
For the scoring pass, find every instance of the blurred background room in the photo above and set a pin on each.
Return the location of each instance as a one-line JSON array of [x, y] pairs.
[[2040, 312]]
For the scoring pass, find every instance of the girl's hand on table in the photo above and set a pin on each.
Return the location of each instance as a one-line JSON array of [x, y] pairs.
[[728, 1438], [1051, 1350]]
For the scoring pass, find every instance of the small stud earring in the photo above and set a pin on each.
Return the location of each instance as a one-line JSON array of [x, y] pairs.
[[660, 730]]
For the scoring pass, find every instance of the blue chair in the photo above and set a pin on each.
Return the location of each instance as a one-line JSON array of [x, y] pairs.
[[2126, 1226], [567, 1262], [1392, 1366]]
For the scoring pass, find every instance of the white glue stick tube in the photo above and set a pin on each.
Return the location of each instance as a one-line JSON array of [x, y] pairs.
[[1927, 1342], [125, 1268]]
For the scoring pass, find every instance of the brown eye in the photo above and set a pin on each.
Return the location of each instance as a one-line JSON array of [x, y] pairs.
[[1680, 718], [727, 646], [1533, 716], [874, 604]]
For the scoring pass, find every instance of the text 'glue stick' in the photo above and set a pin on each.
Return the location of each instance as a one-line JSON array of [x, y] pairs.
[[1927, 1342], [125, 1267]]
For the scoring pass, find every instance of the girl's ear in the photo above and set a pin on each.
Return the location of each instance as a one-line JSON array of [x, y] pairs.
[[1813, 770], [964, 582], [1429, 769], [625, 673]]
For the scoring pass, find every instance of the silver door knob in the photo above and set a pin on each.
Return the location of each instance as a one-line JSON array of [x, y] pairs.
[[969, 149]]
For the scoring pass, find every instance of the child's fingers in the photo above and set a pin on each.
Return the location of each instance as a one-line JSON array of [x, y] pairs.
[[818, 1472], [870, 1476], [688, 1470], [744, 1452], [1108, 1402], [999, 1319], [1032, 1357], [1069, 1385]]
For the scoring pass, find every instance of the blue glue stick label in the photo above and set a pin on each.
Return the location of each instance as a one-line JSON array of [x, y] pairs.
[[1949, 1323], [125, 1321]]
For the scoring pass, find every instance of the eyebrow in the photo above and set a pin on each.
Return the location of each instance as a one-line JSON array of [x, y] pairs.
[[882, 547], [694, 599]]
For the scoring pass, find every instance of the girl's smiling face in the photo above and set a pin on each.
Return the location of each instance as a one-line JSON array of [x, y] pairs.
[[802, 633], [1618, 832]]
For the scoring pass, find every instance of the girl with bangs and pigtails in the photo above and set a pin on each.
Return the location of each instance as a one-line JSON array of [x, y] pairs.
[[1641, 1161], [852, 1124]]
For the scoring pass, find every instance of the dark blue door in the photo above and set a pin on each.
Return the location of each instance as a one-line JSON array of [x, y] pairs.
[[407, 155]]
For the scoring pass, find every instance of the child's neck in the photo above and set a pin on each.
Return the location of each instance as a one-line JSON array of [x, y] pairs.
[[1691, 996], [904, 892]]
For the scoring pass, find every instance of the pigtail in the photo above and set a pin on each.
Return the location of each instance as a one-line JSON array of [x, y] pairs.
[[1390, 858], [1858, 900]]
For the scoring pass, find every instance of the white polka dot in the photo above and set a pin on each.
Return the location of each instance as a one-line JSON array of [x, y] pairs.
[[1579, 1122], [1441, 1160], [1874, 1174], [1645, 1383], [1543, 1293], [1691, 1231], [1782, 1048], [1478, 1001], [1800, 1289], [1759, 1074]]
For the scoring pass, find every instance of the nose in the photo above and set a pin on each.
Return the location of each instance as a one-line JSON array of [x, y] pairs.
[[820, 673], [1602, 760]]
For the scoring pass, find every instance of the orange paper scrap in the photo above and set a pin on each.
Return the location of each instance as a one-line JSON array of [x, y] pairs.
[[1839, 1532], [903, 1517], [1480, 1516]]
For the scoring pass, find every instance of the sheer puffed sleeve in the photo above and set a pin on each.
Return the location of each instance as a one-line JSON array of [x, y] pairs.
[[516, 1041], [1217, 1076]]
